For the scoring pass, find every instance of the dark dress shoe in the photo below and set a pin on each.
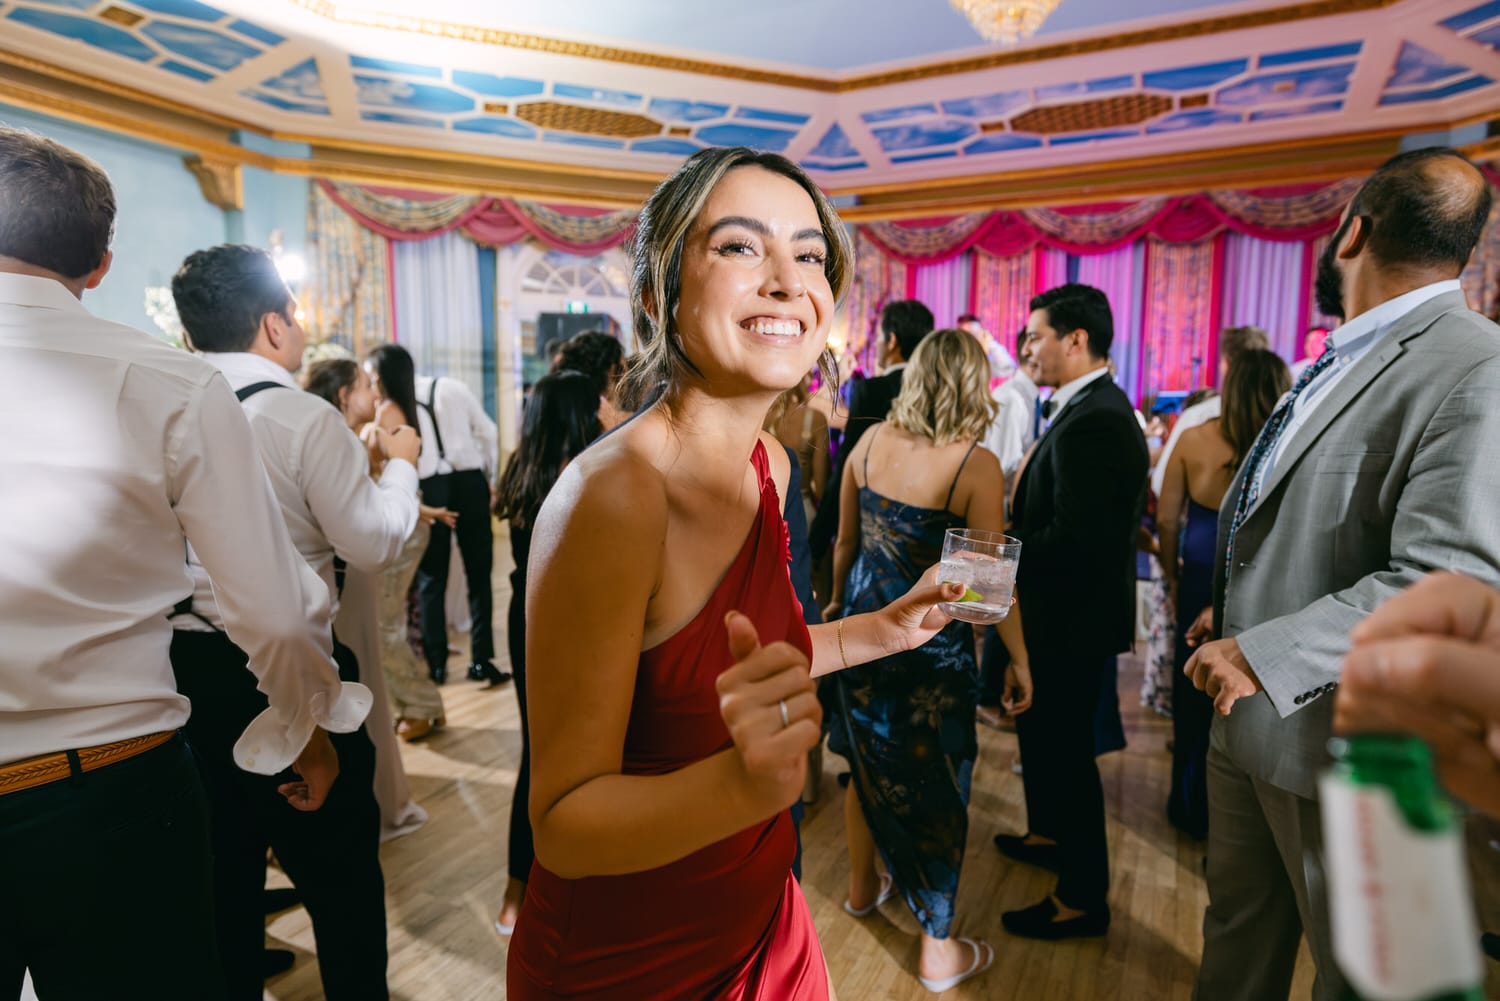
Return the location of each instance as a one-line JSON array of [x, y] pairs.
[[1490, 943], [1014, 846], [439, 674], [280, 899], [1036, 922], [274, 962], [483, 670]]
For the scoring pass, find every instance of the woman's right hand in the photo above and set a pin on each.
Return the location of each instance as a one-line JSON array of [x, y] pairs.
[[432, 514], [772, 753], [833, 610]]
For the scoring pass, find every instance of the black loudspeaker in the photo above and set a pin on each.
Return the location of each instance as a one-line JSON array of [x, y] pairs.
[[552, 329]]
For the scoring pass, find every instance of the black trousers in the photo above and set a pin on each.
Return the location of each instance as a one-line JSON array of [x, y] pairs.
[[331, 854], [1064, 796], [993, 661], [106, 884], [468, 493], [522, 845]]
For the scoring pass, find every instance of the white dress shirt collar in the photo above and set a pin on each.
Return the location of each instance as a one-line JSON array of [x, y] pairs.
[[1068, 390], [1353, 338], [38, 292], [242, 368]]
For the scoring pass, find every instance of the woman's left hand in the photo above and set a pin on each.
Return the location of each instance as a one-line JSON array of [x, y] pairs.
[[914, 618], [1018, 689]]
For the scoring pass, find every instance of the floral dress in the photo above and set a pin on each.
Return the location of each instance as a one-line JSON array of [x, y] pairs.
[[906, 722]]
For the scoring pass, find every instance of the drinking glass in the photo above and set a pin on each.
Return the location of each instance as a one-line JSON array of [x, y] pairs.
[[985, 564]]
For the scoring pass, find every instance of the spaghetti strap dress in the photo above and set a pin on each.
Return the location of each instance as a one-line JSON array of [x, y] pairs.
[[728, 921]]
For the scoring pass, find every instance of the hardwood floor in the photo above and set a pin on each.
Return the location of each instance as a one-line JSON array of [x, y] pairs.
[[444, 882]]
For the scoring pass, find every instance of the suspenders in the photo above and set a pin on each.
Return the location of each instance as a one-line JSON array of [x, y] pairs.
[[185, 606], [431, 407]]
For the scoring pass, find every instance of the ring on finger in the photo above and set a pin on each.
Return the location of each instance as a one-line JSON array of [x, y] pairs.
[[786, 720]]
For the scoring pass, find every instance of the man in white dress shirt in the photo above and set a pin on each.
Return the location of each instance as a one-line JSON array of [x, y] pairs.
[[124, 449], [235, 308], [457, 469], [1017, 418], [1233, 342]]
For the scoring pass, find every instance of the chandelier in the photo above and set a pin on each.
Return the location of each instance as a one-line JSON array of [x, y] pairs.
[[1006, 21]]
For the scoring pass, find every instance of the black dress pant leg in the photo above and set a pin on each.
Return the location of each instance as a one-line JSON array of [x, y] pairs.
[[1062, 778], [476, 547], [106, 884], [432, 575], [522, 845]]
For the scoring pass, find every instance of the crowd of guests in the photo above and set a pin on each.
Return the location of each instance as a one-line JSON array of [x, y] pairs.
[[718, 563]]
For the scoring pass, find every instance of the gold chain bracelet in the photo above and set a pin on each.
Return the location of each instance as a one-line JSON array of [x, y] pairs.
[[842, 655]]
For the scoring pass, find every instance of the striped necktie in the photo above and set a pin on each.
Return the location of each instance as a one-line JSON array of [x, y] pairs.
[[1264, 447]]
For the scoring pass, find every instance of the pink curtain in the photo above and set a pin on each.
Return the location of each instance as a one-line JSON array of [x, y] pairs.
[[944, 288], [401, 214], [878, 279], [1119, 274], [1051, 268], [1263, 287], [1294, 212], [1180, 317], [1001, 293]]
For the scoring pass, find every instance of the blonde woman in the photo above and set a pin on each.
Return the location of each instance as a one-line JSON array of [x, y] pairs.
[[906, 722], [802, 428], [669, 697]]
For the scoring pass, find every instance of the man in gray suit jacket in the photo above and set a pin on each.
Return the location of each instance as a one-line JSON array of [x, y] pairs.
[[1381, 464]]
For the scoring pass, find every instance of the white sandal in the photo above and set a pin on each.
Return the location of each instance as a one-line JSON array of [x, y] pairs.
[[887, 887], [984, 955]]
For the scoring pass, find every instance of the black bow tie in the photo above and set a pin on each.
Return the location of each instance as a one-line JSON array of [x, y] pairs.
[[1048, 409]]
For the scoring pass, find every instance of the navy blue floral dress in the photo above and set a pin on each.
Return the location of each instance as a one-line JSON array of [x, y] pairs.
[[906, 722]]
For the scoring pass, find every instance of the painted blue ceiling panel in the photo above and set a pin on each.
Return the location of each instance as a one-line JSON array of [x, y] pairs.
[[988, 106], [299, 83], [842, 165], [914, 157], [834, 145], [677, 147], [490, 85], [1196, 77], [395, 118], [684, 111], [1473, 16], [763, 115], [1054, 92], [99, 34], [999, 142], [1295, 85], [1316, 108], [599, 95], [71, 4], [1417, 65], [191, 72], [573, 139], [211, 48], [1311, 55], [917, 136], [1438, 93], [1199, 118], [255, 31], [1489, 36], [495, 125], [192, 10], [385, 93], [754, 136], [892, 114], [389, 66], [282, 104], [1088, 137]]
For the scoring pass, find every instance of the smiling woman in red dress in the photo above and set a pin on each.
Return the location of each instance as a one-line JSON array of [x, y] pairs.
[[671, 697]]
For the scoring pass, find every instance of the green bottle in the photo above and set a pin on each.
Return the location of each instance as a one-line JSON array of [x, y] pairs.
[[1398, 880]]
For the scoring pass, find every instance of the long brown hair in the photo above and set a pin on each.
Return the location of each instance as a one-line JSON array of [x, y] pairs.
[[1256, 381], [656, 260], [945, 390]]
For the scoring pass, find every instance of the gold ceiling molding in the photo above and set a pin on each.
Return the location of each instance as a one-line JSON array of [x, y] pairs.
[[221, 181], [560, 116], [834, 84]]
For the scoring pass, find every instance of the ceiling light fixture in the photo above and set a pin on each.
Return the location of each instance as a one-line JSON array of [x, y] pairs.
[[1006, 22]]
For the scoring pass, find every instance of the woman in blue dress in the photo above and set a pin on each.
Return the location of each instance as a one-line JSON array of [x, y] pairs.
[[906, 722], [1199, 473]]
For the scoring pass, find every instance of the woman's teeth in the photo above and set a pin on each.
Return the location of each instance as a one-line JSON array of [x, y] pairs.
[[775, 328]]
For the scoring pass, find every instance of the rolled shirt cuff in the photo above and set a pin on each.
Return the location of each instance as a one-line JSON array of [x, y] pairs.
[[269, 745]]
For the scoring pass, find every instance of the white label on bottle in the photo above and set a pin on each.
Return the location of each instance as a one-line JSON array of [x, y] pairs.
[[1403, 918]]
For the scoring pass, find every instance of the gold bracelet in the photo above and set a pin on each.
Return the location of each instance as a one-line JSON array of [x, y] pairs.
[[842, 655]]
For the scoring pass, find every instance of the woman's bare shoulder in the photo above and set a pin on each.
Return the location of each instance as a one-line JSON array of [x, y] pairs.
[[613, 488]]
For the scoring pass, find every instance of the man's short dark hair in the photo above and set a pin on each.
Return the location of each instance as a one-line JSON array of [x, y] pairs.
[[1422, 213], [909, 321], [1235, 341], [57, 208], [966, 318], [1079, 307], [597, 355], [223, 293]]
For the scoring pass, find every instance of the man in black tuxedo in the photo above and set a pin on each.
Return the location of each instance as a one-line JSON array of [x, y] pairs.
[[1076, 508], [903, 324]]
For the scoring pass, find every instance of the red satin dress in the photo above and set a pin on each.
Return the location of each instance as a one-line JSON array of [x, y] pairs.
[[728, 921]]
